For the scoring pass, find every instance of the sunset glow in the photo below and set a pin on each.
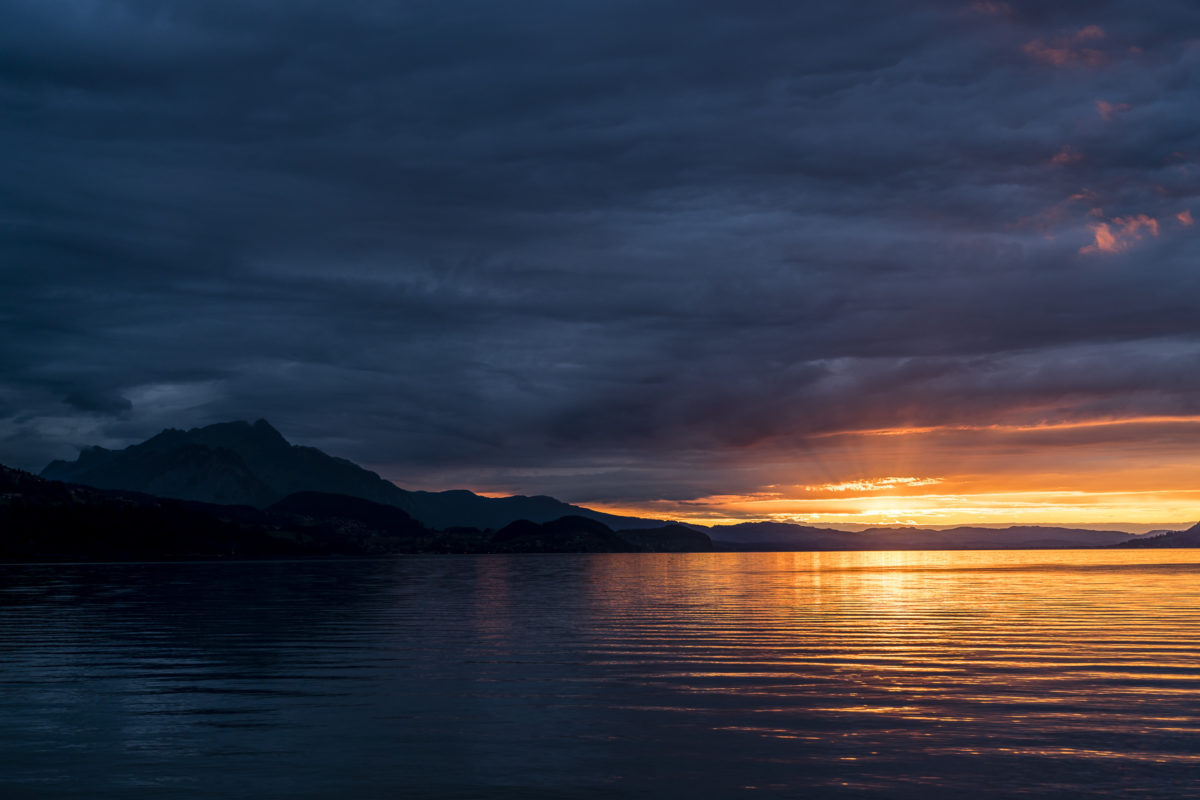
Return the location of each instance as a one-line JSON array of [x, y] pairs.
[[1133, 473], [580, 400], [929, 268], [1139, 511]]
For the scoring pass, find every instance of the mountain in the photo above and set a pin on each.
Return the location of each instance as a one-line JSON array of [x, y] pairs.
[[48, 520], [779, 536], [459, 507], [1186, 538], [787, 536], [43, 520], [575, 534], [669, 539], [254, 465], [238, 463], [572, 534], [231, 462], [184, 471], [347, 510]]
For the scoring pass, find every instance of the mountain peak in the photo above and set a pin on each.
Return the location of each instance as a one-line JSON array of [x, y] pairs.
[[239, 435], [264, 429], [262, 426], [251, 463]]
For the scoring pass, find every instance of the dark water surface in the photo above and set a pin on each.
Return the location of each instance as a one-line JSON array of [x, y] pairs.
[[930, 674]]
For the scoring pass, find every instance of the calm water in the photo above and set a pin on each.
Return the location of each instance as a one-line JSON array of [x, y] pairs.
[[1044, 673]]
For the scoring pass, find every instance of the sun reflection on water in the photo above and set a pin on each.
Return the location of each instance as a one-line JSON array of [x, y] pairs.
[[848, 674], [1007, 654]]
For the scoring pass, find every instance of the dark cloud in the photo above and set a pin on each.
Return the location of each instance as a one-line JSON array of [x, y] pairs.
[[610, 250]]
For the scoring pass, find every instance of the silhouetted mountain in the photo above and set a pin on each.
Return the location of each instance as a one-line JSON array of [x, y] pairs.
[[182, 470], [1186, 538], [571, 534], [575, 534], [49, 520], [780, 536], [1016, 536], [231, 462], [668, 539], [459, 507], [359, 525], [42, 519], [240, 463], [325, 506], [787, 536]]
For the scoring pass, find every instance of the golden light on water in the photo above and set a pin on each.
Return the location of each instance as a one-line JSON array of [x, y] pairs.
[[921, 674]]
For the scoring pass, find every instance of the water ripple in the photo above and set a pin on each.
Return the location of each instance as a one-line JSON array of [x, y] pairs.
[[883, 675]]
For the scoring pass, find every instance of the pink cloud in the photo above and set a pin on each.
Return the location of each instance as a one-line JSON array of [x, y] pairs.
[[1106, 241], [1119, 233], [1185, 218], [1131, 225]]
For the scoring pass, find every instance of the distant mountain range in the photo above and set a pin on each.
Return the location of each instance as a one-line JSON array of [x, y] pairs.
[[1187, 538], [787, 536], [239, 463]]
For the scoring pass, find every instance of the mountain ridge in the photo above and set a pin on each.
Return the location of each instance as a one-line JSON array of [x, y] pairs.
[[47, 520], [253, 464], [785, 536], [1185, 538]]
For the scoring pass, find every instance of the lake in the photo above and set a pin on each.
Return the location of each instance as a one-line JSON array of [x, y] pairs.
[[1050, 673]]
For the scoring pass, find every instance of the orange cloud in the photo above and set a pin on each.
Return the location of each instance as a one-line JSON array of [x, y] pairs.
[[1131, 225], [1041, 427], [1067, 50], [1103, 471], [1066, 155], [1127, 230], [871, 484], [1109, 110], [1105, 242], [1185, 218]]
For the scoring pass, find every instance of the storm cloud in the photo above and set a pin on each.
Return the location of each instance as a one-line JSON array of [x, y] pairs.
[[620, 251]]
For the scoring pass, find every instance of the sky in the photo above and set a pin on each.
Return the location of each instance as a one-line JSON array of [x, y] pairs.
[[871, 262]]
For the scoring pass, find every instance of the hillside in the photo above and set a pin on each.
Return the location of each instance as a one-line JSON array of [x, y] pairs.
[[43, 520], [1185, 538], [253, 464]]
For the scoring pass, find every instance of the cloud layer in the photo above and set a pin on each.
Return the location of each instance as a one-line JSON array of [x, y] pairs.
[[622, 252]]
